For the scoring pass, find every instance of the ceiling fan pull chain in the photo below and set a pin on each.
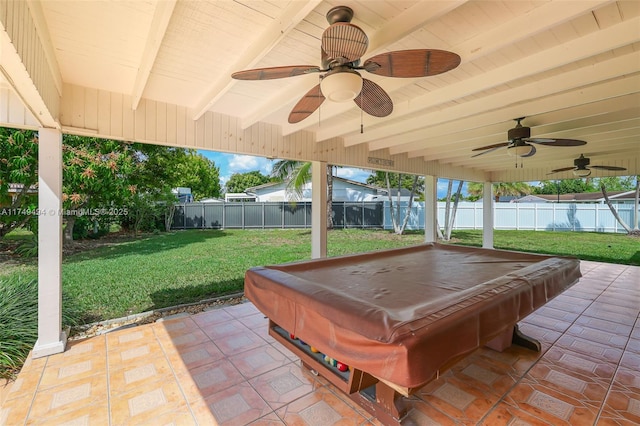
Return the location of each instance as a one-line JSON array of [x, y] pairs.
[[320, 107], [361, 119]]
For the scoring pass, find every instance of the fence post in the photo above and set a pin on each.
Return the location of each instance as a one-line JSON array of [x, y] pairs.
[[224, 215], [344, 215], [282, 221], [202, 223], [263, 215]]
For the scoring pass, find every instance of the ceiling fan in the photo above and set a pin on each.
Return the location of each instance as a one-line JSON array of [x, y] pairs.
[[582, 169], [342, 46], [520, 142]]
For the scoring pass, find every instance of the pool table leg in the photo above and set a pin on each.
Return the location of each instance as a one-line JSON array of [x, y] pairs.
[[525, 341], [389, 406], [513, 336]]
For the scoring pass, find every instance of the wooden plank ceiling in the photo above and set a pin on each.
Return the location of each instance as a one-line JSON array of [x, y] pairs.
[[571, 68]]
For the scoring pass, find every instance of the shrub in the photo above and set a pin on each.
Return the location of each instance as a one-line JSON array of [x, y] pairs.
[[28, 248], [19, 322]]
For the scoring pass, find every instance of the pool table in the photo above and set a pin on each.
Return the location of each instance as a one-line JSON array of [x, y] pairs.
[[398, 318]]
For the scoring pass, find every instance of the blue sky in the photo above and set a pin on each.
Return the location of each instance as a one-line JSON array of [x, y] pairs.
[[237, 163]]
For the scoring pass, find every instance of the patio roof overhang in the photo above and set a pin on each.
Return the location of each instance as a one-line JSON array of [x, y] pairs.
[[159, 72]]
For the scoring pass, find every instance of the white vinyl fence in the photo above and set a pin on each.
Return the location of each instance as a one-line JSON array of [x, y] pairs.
[[526, 216]]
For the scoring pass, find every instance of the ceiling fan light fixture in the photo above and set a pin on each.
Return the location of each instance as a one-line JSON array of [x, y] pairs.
[[582, 173], [519, 150], [341, 86]]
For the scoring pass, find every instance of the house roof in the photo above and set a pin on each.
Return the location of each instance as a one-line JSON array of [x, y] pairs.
[[584, 196], [335, 178], [159, 71]]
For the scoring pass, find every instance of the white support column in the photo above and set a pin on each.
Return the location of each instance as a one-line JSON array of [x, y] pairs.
[[51, 338], [318, 209], [430, 208], [487, 215]]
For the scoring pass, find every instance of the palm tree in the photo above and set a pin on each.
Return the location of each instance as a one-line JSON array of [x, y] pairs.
[[501, 189], [296, 174]]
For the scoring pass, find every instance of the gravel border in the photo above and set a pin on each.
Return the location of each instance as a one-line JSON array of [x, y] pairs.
[[101, 327]]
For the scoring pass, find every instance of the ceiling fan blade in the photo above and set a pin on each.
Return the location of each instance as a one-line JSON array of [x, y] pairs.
[[344, 42], [556, 142], [531, 152], [564, 169], [494, 146], [486, 152], [272, 73], [306, 106], [607, 168], [412, 63], [374, 100]]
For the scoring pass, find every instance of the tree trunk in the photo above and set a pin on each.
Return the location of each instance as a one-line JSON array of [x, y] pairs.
[[614, 211], [329, 196], [454, 210], [398, 229], [168, 219], [447, 211], [439, 231], [394, 220], [408, 213], [68, 230]]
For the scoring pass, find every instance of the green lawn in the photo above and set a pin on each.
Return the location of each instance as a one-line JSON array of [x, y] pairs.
[[188, 266]]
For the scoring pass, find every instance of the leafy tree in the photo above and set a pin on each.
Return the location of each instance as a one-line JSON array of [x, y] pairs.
[[398, 180], [201, 175], [616, 183], [239, 182], [157, 171], [94, 179], [501, 189], [18, 165], [565, 186], [379, 179], [296, 174]]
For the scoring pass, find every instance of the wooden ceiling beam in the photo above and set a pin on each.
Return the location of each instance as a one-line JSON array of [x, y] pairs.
[[292, 15], [533, 22], [587, 46], [157, 30], [506, 101]]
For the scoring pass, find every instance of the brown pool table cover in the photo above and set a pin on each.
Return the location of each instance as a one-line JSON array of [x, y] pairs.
[[403, 314]]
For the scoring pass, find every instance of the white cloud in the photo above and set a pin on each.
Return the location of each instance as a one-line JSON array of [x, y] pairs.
[[358, 175], [243, 163], [248, 163]]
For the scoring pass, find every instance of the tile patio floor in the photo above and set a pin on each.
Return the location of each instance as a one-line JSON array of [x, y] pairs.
[[220, 367]]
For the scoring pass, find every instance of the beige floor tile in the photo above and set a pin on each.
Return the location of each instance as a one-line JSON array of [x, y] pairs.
[[283, 385], [221, 367], [237, 405], [146, 402], [321, 407], [128, 378], [69, 396], [257, 361]]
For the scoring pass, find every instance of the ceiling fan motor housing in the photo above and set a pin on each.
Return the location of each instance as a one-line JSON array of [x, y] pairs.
[[581, 162], [339, 14], [519, 132]]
